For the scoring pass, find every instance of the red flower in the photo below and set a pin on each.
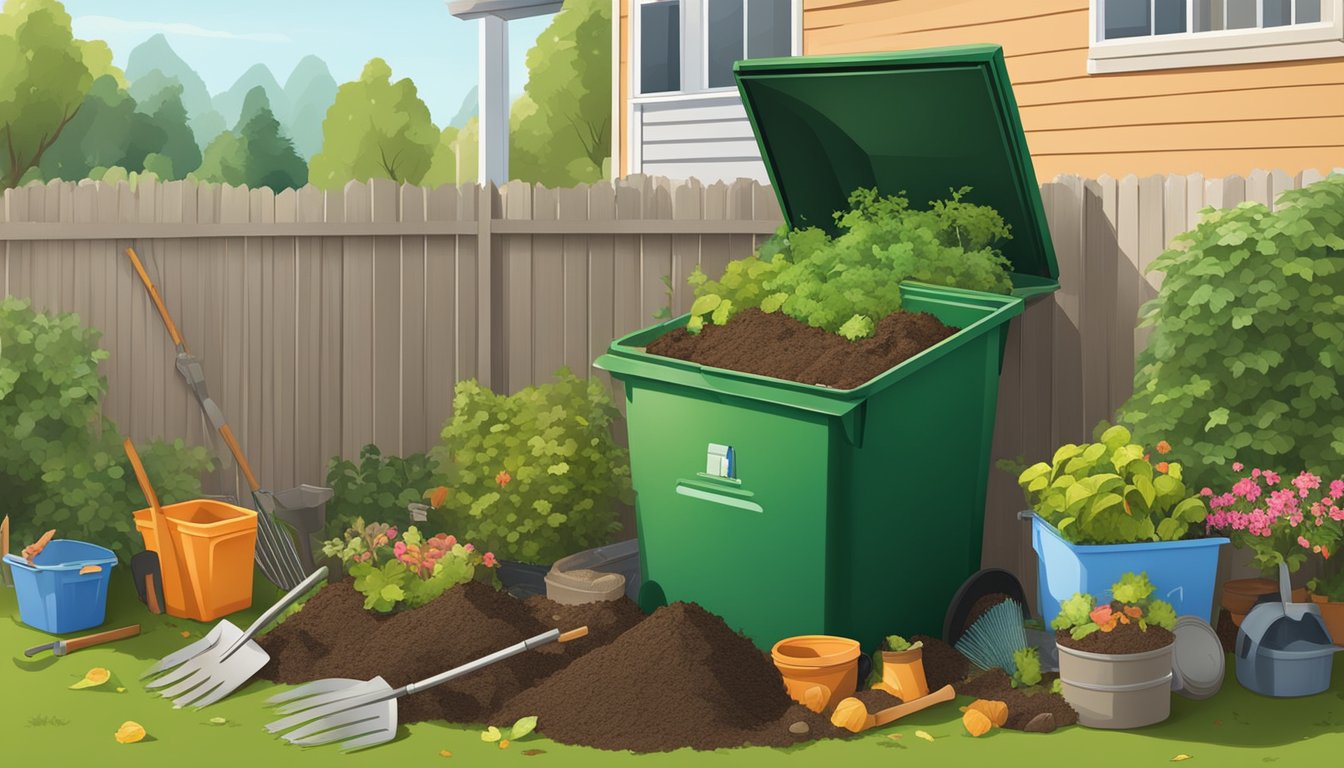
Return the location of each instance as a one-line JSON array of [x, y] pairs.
[[1162, 467], [503, 478], [1164, 447], [489, 560], [438, 496]]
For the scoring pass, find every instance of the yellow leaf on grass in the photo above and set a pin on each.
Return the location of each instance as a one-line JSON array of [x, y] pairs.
[[894, 736], [1180, 757], [445, 753], [923, 735], [491, 734], [130, 732], [185, 633], [94, 677], [121, 690], [218, 721]]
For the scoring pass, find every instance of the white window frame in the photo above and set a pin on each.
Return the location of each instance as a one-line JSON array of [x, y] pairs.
[[1323, 39], [795, 34]]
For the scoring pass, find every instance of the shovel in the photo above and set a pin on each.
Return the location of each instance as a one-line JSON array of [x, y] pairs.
[[364, 714], [222, 661], [151, 566], [852, 715]]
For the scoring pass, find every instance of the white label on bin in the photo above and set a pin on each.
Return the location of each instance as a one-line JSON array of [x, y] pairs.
[[719, 461]]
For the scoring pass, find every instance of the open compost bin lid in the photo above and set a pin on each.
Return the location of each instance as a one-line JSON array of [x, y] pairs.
[[925, 122]]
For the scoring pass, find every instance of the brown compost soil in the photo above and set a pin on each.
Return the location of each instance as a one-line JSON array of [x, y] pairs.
[[774, 344], [680, 678], [1125, 638], [943, 665], [1227, 631], [1023, 704]]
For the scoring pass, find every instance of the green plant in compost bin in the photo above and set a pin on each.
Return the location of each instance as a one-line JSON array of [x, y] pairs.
[[536, 475], [1244, 361], [378, 486], [61, 461], [1026, 667], [1111, 492], [1081, 615], [848, 283]]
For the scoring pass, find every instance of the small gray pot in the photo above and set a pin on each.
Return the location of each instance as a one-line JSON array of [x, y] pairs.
[[1117, 691]]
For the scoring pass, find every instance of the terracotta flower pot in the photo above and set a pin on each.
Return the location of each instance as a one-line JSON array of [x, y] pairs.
[[1333, 614], [1239, 595], [903, 674]]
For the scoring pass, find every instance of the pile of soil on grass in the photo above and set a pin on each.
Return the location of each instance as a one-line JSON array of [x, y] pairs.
[[774, 344], [1125, 638], [680, 678], [605, 620], [334, 636], [1023, 704], [943, 665], [1227, 631]]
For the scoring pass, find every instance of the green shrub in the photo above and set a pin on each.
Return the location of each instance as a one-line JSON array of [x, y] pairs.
[[536, 475], [1248, 331], [847, 283], [378, 487], [395, 574], [1132, 602], [61, 461], [1026, 667]]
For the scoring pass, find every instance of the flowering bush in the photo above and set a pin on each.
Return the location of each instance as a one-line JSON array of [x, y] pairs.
[[1283, 520], [1131, 604], [406, 573], [1110, 492]]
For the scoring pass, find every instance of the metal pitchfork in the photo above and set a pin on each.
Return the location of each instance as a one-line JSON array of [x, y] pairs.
[[275, 554], [363, 714], [222, 661]]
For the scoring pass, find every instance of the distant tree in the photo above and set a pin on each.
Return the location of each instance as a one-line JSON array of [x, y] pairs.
[[376, 129], [45, 74], [256, 153], [160, 165], [443, 166], [169, 118], [97, 136], [224, 160], [567, 137]]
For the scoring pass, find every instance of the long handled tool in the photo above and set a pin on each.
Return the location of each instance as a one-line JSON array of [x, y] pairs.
[[276, 554], [4, 550], [221, 662], [852, 715], [364, 714], [167, 554], [62, 647]]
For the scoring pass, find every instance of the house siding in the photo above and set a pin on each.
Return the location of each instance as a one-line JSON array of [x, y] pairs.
[[1212, 120]]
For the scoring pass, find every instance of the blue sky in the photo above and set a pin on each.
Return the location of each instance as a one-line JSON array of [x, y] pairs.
[[420, 39]]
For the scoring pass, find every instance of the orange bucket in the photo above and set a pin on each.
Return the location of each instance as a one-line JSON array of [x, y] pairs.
[[216, 543], [818, 670]]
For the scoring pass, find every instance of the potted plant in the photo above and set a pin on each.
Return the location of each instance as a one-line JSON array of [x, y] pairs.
[[536, 475], [1285, 520], [1115, 656], [1103, 508], [902, 668]]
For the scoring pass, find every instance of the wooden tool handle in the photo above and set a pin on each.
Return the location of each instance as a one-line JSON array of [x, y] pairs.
[[573, 634], [227, 433], [946, 693], [152, 595], [158, 301], [101, 637], [167, 548], [140, 475]]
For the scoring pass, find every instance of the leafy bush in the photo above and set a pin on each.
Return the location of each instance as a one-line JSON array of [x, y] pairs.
[[61, 462], [1284, 521], [1026, 667], [1110, 492], [378, 486], [536, 475], [403, 574], [1245, 355], [1081, 615], [847, 283]]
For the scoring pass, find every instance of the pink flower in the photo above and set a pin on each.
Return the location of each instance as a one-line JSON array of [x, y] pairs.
[[1302, 540], [451, 541], [470, 547], [1305, 482], [1205, 491], [399, 549], [1271, 477], [1336, 489], [489, 560], [1247, 488], [1237, 466], [391, 533], [1255, 473]]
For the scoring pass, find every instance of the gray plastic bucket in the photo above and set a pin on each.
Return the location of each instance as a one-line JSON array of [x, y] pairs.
[[1117, 691], [1281, 656]]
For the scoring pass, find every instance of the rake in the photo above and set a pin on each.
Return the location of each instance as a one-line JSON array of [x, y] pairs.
[[362, 714], [991, 640], [275, 555]]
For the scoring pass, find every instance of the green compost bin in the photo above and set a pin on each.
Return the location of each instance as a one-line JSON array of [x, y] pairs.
[[793, 509]]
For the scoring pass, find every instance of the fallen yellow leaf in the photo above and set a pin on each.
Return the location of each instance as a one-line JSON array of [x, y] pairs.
[[121, 690], [1180, 757], [130, 732], [504, 744], [185, 633], [923, 735], [218, 721], [894, 736], [94, 677], [445, 753]]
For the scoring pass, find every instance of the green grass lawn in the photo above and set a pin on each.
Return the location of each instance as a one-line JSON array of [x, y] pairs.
[[41, 719]]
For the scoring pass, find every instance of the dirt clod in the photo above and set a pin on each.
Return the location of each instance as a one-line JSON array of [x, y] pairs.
[[774, 344], [1024, 704], [1042, 723], [800, 728]]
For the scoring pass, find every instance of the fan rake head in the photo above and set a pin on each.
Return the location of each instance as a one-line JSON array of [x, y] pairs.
[[991, 640]]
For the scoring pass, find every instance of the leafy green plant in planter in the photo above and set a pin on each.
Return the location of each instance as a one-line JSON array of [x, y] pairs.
[[1245, 355], [380, 486], [1111, 492], [408, 573], [1131, 603], [61, 461], [847, 283], [536, 475]]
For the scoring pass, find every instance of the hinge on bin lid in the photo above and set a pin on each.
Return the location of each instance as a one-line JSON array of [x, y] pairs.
[[719, 461]]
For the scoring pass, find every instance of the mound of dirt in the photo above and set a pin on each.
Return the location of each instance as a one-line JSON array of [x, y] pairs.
[[334, 636], [943, 665], [1023, 704], [774, 344], [680, 678]]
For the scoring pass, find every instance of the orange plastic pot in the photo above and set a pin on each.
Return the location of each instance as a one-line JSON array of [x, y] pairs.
[[1333, 614], [818, 670], [216, 543], [1239, 595], [903, 674]]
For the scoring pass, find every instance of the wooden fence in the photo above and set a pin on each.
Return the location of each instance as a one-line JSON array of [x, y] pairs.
[[328, 320]]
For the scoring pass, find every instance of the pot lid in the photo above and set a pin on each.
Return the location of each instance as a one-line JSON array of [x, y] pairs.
[[923, 122], [1198, 660]]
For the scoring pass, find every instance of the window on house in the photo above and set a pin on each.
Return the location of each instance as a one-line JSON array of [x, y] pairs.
[[660, 46], [1153, 18], [745, 29]]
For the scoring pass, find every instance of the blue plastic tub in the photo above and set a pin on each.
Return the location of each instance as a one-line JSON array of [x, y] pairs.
[[53, 595], [1184, 572]]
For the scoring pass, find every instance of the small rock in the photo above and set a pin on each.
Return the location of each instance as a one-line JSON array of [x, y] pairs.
[[799, 728], [1042, 723]]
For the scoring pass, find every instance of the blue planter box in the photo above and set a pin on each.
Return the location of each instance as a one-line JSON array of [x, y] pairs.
[[1184, 572], [53, 595]]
